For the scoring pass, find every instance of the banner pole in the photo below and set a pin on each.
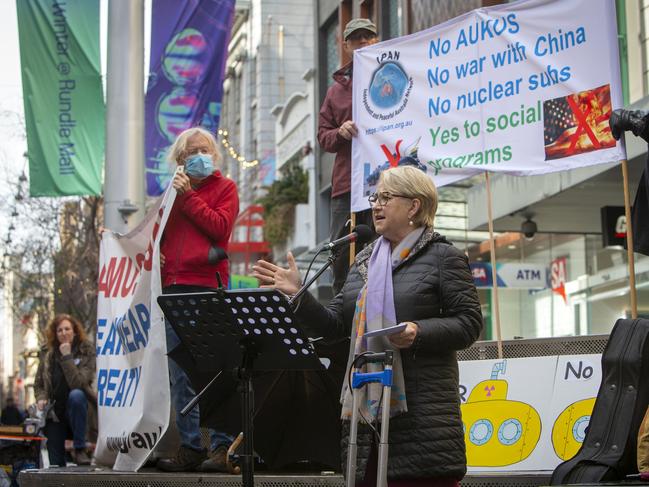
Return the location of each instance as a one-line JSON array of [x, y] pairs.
[[352, 245], [494, 276], [629, 241]]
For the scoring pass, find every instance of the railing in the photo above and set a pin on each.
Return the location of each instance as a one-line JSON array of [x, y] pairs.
[[536, 347]]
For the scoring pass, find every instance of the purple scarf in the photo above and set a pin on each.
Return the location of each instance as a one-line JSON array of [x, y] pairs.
[[374, 311]]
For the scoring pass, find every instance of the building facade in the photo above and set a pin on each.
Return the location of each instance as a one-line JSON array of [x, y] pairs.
[[272, 116], [590, 277], [574, 213], [18, 339], [271, 48]]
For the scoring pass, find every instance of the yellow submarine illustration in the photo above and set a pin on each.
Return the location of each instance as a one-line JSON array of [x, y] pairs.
[[497, 430], [569, 430]]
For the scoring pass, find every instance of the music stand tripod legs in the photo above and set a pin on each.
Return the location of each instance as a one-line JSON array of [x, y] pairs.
[[245, 389], [245, 330], [244, 375]]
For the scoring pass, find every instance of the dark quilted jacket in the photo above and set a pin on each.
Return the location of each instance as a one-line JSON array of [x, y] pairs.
[[428, 440]]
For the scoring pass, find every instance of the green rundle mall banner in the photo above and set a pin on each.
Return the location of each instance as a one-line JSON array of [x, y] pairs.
[[62, 93]]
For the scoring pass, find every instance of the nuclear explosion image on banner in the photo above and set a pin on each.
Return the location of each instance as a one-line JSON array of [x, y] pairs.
[[577, 123]]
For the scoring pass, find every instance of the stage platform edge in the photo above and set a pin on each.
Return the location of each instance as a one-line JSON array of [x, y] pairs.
[[88, 477]]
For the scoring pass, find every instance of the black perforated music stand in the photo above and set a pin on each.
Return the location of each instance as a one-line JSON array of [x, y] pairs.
[[244, 330]]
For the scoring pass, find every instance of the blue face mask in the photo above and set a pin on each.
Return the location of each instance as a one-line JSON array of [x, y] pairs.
[[199, 166]]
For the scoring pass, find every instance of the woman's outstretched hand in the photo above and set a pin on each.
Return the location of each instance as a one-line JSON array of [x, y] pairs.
[[273, 276]]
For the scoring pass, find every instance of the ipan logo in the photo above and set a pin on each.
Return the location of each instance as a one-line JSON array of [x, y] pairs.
[[389, 88]]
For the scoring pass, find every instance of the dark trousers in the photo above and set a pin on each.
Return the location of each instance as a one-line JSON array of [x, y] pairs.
[[73, 424], [339, 227], [182, 390]]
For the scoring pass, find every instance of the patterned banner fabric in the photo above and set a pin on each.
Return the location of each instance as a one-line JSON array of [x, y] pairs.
[[189, 42]]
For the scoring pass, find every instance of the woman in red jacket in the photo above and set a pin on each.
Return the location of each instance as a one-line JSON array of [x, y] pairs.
[[193, 245]]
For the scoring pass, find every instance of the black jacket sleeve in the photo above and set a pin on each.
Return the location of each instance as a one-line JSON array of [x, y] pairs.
[[461, 323], [319, 320], [327, 321]]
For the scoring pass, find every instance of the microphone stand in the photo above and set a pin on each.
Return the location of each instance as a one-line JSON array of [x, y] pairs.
[[306, 285], [191, 404]]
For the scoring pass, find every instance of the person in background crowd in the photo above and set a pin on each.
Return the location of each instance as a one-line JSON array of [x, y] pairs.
[[192, 252], [10, 414], [410, 275], [64, 380], [335, 131]]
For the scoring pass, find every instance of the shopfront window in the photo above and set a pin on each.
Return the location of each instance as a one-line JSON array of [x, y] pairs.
[[555, 285], [332, 53]]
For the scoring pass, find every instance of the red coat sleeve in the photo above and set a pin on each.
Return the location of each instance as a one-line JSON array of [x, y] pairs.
[[328, 126], [216, 222]]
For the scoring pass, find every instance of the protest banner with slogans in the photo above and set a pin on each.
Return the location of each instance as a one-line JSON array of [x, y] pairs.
[[62, 95], [522, 88], [526, 414], [132, 375]]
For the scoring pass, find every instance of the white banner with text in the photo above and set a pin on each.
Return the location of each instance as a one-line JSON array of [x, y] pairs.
[[522, 88], [132, 374], [527, 414]]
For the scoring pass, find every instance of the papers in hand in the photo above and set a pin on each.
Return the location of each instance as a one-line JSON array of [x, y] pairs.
[[391, 330]]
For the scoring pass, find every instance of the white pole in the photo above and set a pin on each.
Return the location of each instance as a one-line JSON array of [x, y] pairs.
[[124, 173], [494, 274], [633, 296]]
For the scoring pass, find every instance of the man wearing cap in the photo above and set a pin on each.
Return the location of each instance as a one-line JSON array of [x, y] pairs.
[[335, 131]]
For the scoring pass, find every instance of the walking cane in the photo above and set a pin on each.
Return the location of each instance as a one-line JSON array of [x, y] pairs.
[[360, 379]]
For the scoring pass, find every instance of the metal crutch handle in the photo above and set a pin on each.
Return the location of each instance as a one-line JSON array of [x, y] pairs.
[[359, 380]]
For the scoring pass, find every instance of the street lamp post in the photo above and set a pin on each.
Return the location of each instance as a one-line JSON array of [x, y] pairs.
[[124, 173]]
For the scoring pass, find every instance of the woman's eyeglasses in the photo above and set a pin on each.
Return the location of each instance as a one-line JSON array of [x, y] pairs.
[[382, 199]]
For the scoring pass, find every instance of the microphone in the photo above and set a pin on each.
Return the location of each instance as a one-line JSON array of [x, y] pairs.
[[216, 255], [361, 234]]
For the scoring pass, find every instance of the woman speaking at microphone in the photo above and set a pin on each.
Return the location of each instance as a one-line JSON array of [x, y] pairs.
[[196, 233], [410, 275]]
